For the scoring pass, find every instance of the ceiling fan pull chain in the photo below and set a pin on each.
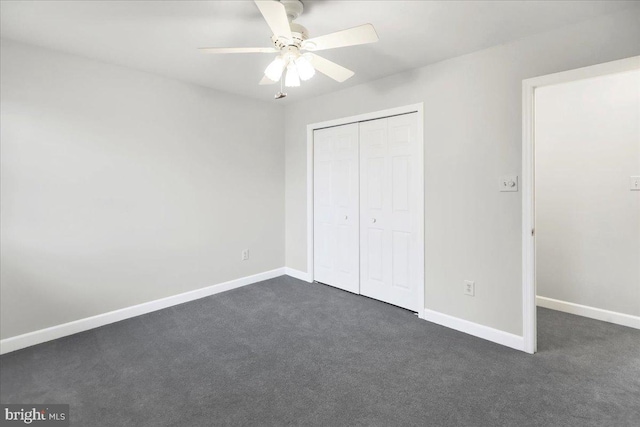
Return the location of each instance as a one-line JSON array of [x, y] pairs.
[[281, 94]]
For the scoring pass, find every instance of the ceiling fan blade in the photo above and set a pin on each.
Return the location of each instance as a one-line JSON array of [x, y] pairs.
[[331, 69], [276, 16], [238, 50], [267, 81], [353, 36]]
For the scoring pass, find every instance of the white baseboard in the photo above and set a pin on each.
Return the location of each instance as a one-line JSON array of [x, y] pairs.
[[298, 274], [591, 312], [475, 329], [43, 335]]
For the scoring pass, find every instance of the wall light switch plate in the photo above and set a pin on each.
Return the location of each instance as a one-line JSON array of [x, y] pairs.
[[634, 183], [508, 183], [469, 288]]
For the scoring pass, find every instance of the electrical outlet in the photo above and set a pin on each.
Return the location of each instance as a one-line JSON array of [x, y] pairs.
[[470, 288], [245, 254], [634, 183]]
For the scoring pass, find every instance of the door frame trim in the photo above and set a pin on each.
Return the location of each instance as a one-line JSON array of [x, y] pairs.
[[413, 108], [529, 326]]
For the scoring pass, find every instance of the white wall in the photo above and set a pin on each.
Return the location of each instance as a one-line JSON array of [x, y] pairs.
[[121, 187], [472, 136], [587, 219]]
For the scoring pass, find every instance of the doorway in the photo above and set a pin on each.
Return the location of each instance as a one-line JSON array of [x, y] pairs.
[[366, 205], [581, 212]]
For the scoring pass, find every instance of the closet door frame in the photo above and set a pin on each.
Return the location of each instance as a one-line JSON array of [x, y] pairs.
[[413, 108]]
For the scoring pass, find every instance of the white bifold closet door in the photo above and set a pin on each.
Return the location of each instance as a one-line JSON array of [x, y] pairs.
[[335, 191], [389, 207], [366, 209]]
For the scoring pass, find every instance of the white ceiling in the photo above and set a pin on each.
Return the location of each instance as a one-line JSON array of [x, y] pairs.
[[161, 37]]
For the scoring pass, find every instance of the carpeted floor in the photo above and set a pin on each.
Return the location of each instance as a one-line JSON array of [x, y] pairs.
[[284, 352]]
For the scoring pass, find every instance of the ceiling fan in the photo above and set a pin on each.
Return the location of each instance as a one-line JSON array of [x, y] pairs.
[[290, 40]]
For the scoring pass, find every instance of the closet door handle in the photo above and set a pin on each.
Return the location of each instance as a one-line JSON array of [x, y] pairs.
[[346, 217], [373, 220]]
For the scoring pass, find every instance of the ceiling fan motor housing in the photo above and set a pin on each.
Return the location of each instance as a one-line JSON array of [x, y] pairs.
[[298, 33]]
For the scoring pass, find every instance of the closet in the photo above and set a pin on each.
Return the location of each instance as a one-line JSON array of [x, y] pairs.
[[367, 183]]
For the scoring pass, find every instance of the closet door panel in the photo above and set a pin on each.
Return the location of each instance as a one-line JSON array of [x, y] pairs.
[[336, 207], [388, 211], [375, 267], [403, 155]]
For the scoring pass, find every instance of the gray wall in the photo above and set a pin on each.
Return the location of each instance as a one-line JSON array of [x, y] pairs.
[[121, 187], [587, 219], [472, 136]]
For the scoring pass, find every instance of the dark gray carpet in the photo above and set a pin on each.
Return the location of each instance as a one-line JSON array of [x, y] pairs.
[[284, 352]]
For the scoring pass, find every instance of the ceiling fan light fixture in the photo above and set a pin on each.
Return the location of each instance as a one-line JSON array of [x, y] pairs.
[[292, 79], [275, 69], [305, 69]]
